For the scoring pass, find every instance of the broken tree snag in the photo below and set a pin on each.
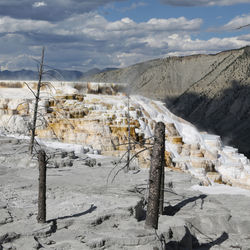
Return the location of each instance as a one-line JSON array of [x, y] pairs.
[[129, 139], [157, 160], [161, 201], [33, 129], [41, 216]]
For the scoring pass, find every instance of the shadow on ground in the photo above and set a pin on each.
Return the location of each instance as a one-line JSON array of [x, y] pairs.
[[190, 242], [172, 210], [90, 210]]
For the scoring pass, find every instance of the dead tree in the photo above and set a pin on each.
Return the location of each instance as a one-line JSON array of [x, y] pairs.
[[157, 161], [37, 96], [161, 201], [41, 216], [129, 141]]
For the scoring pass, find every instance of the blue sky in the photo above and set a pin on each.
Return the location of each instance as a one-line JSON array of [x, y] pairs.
[[213, 16], [82, 35]]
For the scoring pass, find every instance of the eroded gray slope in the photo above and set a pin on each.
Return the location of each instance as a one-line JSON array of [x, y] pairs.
[[221, 102], [169, 77]]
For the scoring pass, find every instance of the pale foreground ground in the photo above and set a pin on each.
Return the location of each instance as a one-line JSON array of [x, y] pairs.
[[84, 212]]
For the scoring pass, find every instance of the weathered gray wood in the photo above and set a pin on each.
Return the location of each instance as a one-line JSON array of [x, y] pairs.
[[41, 216], [129, 139], [157, 160], [161, 201], [33, 129]]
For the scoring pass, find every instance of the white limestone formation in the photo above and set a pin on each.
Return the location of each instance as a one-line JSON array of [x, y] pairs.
[[96, 117]]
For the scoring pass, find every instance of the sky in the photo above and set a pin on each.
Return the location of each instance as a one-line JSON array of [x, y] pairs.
[[86, 34]]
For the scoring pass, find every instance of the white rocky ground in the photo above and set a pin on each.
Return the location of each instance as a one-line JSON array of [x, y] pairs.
[[84, 212]]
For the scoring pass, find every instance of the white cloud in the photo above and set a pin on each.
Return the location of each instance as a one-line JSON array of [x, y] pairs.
[[171, 24], [97, 27], [245, 38], [10, 25], [133, 6], [127, 42], [187, 46], [56, 10], [238, 22], [227, 2], [39, 4], [89, 40], [203, 2]]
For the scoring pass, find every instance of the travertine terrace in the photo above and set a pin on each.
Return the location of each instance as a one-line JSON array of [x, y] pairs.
[[96, 117]]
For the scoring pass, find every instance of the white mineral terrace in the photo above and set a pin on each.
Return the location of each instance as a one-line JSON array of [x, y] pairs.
[[95, 118]]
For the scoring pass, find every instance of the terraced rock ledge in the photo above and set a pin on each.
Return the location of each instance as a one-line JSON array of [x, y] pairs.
[[96, 118]]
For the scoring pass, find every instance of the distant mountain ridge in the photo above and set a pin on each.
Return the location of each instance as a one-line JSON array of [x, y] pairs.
[[211, 91], [57, 74]]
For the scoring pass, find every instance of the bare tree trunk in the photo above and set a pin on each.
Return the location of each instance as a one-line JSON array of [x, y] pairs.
[[33, 130], [129, 141], [157, 159], [161, 205], [41, 216]]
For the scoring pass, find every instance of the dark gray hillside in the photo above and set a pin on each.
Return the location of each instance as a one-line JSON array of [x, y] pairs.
[[221, 103]]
